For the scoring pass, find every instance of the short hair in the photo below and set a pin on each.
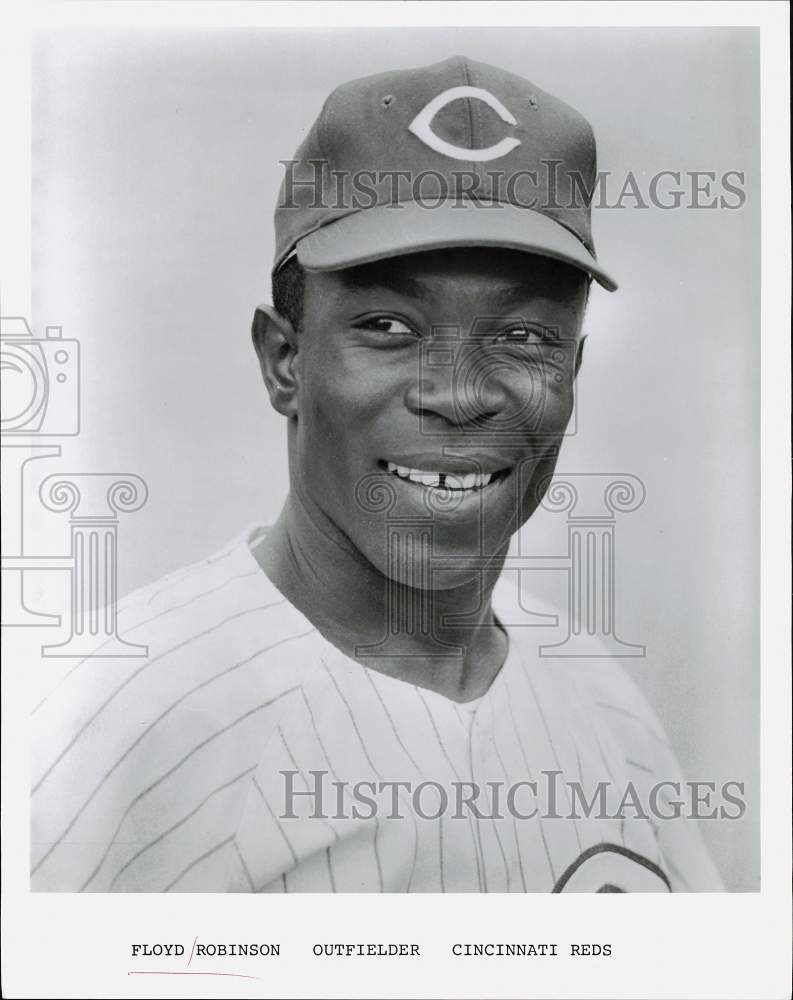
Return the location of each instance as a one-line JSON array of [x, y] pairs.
[[289, 283]]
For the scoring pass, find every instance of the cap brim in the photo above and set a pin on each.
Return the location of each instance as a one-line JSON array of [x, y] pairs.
[[385, 231]]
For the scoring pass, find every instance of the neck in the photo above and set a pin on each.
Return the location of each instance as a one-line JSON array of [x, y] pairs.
[[350, 602]]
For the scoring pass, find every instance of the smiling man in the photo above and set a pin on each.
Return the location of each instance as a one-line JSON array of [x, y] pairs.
[[340, 702], [461, 448]]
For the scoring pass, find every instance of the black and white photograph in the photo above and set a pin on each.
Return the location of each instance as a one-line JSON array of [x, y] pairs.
[[383, 496]]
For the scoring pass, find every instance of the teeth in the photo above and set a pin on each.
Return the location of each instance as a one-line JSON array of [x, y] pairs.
[[425, 478], [451, 480], [399, 470]]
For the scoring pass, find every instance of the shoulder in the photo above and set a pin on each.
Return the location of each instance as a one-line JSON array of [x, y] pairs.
[[598, 684], [187, 631], [222, 652]]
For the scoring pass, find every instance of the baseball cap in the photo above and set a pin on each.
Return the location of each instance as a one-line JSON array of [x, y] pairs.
[[458, 153]]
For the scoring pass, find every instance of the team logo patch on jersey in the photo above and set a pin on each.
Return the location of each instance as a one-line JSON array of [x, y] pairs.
[[612, 868], [421, 125]]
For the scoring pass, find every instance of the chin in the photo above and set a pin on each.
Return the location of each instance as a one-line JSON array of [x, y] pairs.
[[437, 559], [453, 579], [420, 575]]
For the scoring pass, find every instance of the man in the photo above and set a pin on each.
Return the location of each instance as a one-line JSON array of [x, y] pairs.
[[341, 702]]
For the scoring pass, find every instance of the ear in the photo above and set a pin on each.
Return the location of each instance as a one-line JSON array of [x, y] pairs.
[[276, 347], [579, 353]]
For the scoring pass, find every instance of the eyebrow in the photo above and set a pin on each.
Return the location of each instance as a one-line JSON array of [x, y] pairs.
[[403, 284], [364, 280], [510, 295]]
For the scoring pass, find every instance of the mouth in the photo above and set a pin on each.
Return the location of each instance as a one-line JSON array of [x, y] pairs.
[[458, 482]]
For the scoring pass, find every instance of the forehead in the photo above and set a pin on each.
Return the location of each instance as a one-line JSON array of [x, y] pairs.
[[505, 278]]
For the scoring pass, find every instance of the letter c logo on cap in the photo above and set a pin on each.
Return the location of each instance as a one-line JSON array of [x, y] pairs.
[[420, 126]]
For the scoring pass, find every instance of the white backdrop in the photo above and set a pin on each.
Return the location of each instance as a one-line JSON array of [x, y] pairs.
[[155, 171]]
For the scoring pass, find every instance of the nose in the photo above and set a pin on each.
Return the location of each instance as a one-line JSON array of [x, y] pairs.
[[456, 395]]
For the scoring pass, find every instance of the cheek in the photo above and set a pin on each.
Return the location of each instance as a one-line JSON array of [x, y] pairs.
[[340, 400], [559, 399], [540, 396]]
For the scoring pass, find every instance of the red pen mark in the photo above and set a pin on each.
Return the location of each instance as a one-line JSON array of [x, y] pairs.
[[234, 975], [155, 972]]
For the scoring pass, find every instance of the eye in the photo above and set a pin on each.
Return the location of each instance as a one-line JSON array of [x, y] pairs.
[[388, 325], [525, 333]]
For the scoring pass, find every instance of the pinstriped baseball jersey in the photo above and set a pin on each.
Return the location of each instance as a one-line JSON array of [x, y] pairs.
[[247, 754]]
